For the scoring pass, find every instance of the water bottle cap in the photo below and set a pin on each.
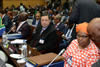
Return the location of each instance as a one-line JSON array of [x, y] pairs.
[[4, 32], [24, 41], [24, 46]]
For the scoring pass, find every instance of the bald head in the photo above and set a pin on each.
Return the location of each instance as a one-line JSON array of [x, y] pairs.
[[94, 31]]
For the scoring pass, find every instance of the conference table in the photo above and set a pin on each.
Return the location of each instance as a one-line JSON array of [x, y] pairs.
[[33, 53], [14, 61]]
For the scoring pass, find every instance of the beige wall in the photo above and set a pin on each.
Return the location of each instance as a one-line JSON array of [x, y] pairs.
[[63, 1], [25, 2]]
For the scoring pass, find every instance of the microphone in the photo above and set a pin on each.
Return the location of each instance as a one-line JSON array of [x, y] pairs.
[[62, 51]]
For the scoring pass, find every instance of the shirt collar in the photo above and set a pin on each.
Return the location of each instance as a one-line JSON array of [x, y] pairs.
[[58, 23], [44, 28], [21, 23]]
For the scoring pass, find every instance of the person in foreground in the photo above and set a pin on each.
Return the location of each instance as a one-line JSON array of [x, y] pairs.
[[94, 33], [44, 38], [82, 52]]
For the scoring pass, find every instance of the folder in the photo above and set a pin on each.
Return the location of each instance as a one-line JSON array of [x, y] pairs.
[[44, 59]]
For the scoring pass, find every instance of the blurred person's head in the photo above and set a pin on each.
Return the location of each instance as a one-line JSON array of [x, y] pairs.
[[94, 31], [38, 15], [82, 35], [58, 8], [15, 13], [98, 1], [10, 14], [22, 17], [50, 11], [45, 20], [57, 18], [21, 3]]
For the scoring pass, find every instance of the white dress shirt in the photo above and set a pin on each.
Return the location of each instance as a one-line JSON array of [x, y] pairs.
[[21, 23]]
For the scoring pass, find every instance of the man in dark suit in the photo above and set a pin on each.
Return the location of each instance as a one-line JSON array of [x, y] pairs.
[[22, 26], [36, 20], [68, 36], [44, 38], [84, 11], [94, 33], [58, 24], [6, 20]]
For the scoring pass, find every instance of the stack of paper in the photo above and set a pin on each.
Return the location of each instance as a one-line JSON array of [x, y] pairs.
[[18, 41]]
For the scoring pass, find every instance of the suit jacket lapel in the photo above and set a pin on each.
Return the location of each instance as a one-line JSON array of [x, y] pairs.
[[44, 33], [47, 31]]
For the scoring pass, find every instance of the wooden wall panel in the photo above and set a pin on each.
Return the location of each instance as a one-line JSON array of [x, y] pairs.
[[25, 2]]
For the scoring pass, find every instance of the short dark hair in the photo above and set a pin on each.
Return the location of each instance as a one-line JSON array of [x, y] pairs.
[[21, 3], [22, 16], [46, 14]]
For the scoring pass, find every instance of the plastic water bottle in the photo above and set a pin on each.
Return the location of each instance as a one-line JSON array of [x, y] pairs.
[[25, 49], [4, 37]]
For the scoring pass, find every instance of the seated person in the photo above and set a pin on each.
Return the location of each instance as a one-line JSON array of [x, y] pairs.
[[36, 20], [10, 14], [15, 16], [6, 20], [58, 24], [68, 36], [94, 33], [22, 26], [82, 52], [44, 38]]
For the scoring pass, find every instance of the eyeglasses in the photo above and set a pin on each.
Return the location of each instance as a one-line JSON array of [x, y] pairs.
[[84, 36], [37, 16]]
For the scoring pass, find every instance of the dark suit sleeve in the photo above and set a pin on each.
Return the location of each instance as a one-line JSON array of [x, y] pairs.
[[49, 42], [15, 19], [26, 31], [62, 28], [74, 17], [33, 22], [6, 20]]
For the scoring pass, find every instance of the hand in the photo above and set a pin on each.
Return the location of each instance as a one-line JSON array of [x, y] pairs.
[[34, 48], [63, 36]]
